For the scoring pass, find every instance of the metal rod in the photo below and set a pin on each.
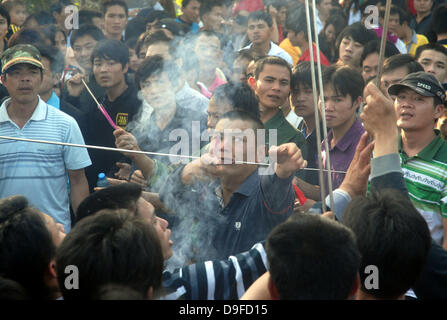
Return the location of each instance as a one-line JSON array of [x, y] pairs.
[[383, 41], [130, 151]]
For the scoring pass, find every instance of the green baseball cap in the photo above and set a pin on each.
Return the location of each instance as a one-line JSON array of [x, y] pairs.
[[21, 53]]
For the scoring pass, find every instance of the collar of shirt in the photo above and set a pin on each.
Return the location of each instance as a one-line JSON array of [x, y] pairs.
[[247, 188], [40, 113], [348, 138], [429, 151], [275, 122]]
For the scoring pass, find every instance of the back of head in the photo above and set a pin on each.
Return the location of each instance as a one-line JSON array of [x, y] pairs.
[[243, 116], [344, 80], [109, 49], [86, 16], [111, 247], [11, 290], [401, 60], [27, 36], [155, 65], [84, 30], [54, 56], [26, 246], [122, 196], [239, 96], [391, 235], [296, 21], [312, 258]]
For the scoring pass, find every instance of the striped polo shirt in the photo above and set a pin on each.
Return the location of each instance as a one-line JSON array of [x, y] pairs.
[[425, 176], [39, 171]]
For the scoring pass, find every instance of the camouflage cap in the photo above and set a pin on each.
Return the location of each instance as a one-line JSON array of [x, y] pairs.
[[21, 53]]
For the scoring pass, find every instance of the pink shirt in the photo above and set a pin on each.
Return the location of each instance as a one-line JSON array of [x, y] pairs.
[[208, 92]]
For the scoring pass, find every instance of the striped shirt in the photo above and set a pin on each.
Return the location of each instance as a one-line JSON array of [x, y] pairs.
[[39, 171], [216, 279], [426, 179]]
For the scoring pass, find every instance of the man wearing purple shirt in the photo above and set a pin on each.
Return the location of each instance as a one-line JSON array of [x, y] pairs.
[[343, 89]]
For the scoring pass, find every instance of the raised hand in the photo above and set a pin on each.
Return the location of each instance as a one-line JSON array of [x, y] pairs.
[[288, 159]]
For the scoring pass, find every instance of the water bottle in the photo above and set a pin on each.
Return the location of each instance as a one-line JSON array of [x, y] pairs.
[[102, 180]]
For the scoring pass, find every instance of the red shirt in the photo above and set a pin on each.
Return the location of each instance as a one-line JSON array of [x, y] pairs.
[[306, 56], [249, 5]]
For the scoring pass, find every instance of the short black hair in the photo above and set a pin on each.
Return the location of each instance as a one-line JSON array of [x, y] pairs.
[[111, 247], [157, 36], [86, 16], [111, 50], [271, 60], [302, 74], [244, 116], [4, 13], [26, 246], [401, 60], [430, 46], [393, 236], [358, 32], [403, 16], [240, 96], [261, 16], [312, 258], [122, 196], [208, 5], [296, 22], [11, 290], [59, 5], [345, 80], [26, 36], [155, 65], [43, 18], [86, 30], [374, 47], [109, 3], [54, 56], [338, 21], [439, 23]]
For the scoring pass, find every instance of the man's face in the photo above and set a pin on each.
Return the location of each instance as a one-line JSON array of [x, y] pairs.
[[208, 52], [392, 77], [214, 20], [434, 62], [49, 80], [158, 91], [239, 74], [82, 49], [394, 25], [191, 11], [147, 212], [324, 7], [273, 86], [18, 15], [56, 229], [231, 148], [350, 52], [282, 15], [115, 20], [415, 112], [3, 27], [23, 82], [61, 42], [422, 6], [160, 48], [370, 65], [216, 109], [258, 31], [108, 73], [339, 109], [302, 101]]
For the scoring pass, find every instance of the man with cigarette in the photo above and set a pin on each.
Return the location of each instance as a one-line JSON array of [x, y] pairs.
[[38, 171]]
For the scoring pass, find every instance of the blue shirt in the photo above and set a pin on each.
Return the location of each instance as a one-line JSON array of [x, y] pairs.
[[259, 204], [194, 27], [38, 171], [54, 101]]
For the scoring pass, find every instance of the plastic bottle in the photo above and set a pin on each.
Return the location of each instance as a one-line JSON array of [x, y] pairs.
[[102, 180]]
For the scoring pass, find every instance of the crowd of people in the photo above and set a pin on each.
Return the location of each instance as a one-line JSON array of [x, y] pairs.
[[206, 119]]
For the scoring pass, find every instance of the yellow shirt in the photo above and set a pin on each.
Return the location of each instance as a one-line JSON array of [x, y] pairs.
[[416, 41], [294, 52]]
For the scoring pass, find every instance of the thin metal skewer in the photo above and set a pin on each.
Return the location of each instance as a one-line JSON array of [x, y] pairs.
[[131, 151], [383, 41], [100, 106]]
